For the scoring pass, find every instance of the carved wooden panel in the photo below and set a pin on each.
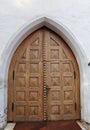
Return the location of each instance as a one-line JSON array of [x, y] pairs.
[[68, 109], [54, 67], [33, 96], [34, 67], [34, 54], [34, 82], [21, 67], [20, 96], [54, 54], [55, 95], [21, 82], [20, 110]]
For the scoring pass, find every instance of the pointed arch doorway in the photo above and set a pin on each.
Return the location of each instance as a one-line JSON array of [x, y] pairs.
[[43, 80]]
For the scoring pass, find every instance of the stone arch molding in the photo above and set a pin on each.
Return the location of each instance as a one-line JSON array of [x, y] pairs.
[[73, 43]]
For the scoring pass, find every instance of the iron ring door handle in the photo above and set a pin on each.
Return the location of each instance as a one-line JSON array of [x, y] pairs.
[[47, 89]]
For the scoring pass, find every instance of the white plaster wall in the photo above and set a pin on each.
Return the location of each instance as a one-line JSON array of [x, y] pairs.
[[74, 14]]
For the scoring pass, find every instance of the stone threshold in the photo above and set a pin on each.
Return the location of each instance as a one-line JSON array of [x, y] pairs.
[[83, 125], [10, 126]]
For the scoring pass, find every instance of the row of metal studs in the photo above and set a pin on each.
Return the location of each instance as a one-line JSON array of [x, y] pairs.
[[44, 79]]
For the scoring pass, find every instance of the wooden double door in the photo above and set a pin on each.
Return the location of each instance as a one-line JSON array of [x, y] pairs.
[[43, 80]]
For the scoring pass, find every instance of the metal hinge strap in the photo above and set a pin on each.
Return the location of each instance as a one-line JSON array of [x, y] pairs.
[[74, 75], [13, 74], [12, 106], [75, 106]]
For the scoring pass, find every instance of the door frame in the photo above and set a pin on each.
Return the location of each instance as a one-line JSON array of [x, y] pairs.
[[56, 26]]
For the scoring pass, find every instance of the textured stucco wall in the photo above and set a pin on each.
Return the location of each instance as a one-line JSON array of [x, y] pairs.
[[14, 14]]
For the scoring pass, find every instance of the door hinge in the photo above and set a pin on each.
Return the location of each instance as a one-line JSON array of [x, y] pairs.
[[12, 106], [74, 75], [13, 74], [75, 106]]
